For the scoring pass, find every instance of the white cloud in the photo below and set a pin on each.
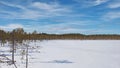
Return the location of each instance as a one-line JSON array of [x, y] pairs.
[[51, 7], [12, 5], [91, 3], [44, 6], [11, 26], [98, 2], [35, 10], [66, 27], [111, 16], [114, 5]]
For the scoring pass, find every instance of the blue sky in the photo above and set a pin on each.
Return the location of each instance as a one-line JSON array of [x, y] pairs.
[[61, 16]]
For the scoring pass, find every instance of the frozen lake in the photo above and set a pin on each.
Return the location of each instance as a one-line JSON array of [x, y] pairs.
[[72, 54]]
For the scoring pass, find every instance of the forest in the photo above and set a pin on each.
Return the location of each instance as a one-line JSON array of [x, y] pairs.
[[19, 35]]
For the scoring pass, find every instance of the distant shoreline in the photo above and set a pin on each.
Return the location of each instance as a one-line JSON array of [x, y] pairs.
[[19, 34]]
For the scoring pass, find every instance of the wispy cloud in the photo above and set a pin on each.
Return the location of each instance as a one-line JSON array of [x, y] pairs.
[[57, 29], [11, 26], [60, 28], [114, 13], [12, 5], [91, 3], [111, 16], [48, 7], [66, 27], [35, 10], [114, 5], [98, 2]]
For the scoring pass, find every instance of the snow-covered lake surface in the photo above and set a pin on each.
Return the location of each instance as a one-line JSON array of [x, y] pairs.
[[69, 54]]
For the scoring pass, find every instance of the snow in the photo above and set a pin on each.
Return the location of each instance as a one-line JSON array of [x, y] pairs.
[[70, 54]]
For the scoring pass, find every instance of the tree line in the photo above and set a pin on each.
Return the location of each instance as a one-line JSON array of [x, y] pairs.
[[20, 35]]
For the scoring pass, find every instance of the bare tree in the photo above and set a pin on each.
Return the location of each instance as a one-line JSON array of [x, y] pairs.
[[26, 56], [13, 47]]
